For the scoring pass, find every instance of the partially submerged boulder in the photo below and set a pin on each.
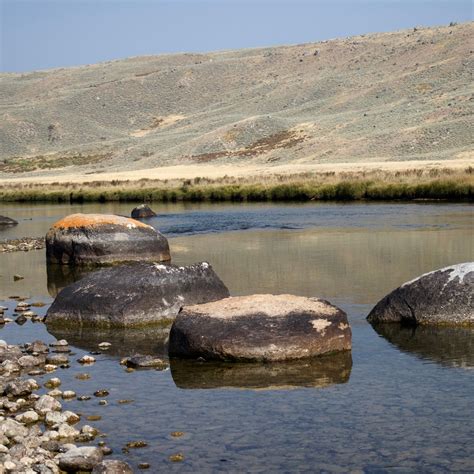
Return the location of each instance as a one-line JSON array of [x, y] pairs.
[[260, 328], [441, 297], [7, 221], [143, 211], [134, 294], [82, 239]]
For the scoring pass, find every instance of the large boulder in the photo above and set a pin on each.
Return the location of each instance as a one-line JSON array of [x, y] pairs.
[[82, 239], [143, 211], [314, 372], [7, 221], [260, 328], [134, 294], [441, 297]]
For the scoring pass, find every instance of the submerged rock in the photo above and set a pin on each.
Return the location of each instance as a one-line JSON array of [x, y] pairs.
[[83, 458], [134, 295], [7, 221], [314, 372], [142, 211], [260, 328], [81, 239], [441, 297]]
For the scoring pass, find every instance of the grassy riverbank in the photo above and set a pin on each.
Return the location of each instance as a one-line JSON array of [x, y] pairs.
[[436, 184]]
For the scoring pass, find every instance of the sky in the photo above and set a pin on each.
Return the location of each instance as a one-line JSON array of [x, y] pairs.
[[42, 34]]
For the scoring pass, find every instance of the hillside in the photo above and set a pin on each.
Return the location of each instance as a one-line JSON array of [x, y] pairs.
[[389, 97]]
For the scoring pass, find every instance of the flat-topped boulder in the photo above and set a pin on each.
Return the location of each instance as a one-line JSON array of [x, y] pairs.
[[441, 297], [135, 294], [94, 239], [7, 221], [143, 211], [260, 328]]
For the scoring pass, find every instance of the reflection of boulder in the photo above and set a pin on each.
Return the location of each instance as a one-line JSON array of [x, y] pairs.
[[125, 342], [440, 297], [260, 328], [311, 372], [451, 346], [136, 294], [7, 221], [94, 239], [60, 276], [143, 211]]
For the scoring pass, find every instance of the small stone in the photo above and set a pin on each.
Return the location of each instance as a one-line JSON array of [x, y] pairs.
[[94, 418], [82, 376], [67, 431], [47, 403], [86, 359], [54, 418], [53, 383], [50, 367], [178, 457], [136, 444], [71, 417], [61, 342], [101, 393], [84, 398], [18, 277], [177, 434], [30, 361], [103, 403], [112, 466], [68, 394], [83, 458], [144, 465], [55, 393], [87, 429], [20, 320], [145, 362], [106, 450], [57, 359], [105, 345], [125, 402], [27, 417]]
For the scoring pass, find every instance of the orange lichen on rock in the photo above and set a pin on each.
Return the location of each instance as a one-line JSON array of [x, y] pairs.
[[96, 220]]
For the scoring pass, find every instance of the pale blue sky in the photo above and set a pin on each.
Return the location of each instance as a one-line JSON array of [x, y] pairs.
[[40, 34]]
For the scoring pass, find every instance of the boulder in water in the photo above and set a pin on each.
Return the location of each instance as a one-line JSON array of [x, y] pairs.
[[135, 294], [260, 328], [143, 211], [441, 297], [81, 239]]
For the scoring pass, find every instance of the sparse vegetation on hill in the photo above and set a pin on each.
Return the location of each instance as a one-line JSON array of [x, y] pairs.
[[398, 96]]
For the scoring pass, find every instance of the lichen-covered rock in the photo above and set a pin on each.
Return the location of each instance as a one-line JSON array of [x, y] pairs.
[[260, 328], [7, 221], [441, 297], [94, 239], [134, 295], [112, 466], [142, 211]]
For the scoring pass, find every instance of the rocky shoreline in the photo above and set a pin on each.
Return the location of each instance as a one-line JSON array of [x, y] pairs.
[[36, 434], [24, 244]]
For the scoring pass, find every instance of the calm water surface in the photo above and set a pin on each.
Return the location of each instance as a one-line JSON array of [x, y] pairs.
[[401, 403]]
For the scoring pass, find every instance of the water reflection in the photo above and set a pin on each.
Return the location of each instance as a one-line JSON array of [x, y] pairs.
[[448, 346], [60, 276], [317, 372], [151, 340]]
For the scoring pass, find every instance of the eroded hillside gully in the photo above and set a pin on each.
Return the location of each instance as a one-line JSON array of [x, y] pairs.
[[248, 351]]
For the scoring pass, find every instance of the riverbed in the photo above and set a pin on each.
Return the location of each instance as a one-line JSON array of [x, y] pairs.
[[401, 402]]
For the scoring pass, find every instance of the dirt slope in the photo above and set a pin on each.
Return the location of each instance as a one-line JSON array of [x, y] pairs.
[[396, 96]]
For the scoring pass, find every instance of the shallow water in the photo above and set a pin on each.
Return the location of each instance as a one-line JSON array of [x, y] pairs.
[[402, 401]]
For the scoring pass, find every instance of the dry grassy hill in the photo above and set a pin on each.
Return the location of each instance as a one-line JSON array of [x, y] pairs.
[[396, 96]]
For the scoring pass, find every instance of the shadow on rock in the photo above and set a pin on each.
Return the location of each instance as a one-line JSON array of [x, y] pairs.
[[124, 342], [316, 372], [448, 346], [60, 276]]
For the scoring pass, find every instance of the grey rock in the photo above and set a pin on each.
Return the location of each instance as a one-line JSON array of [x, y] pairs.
[[37, 346], [260, 328], [135, 294], [145, 362], [142, 211], [20, 387], [112, 467], [83, 458], [94, 239], [47, 403], [441, 297]]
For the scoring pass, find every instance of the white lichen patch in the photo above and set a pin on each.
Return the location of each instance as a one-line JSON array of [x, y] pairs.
[[343, 326], [320, 325], [272, 306], [204, 265], [455, 271], [131, 226]]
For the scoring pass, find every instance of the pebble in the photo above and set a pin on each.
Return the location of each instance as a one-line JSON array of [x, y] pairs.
[[29, 416], [57, 359], [144, 465], [82, 376], [136, 444], [55, 393], [68, 394], [53, 383], [103, 402], [18, 277], [86, 359], [101, 393], [177, 434], [105, 345], [178, 457], [84, 398], [61, 342]]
